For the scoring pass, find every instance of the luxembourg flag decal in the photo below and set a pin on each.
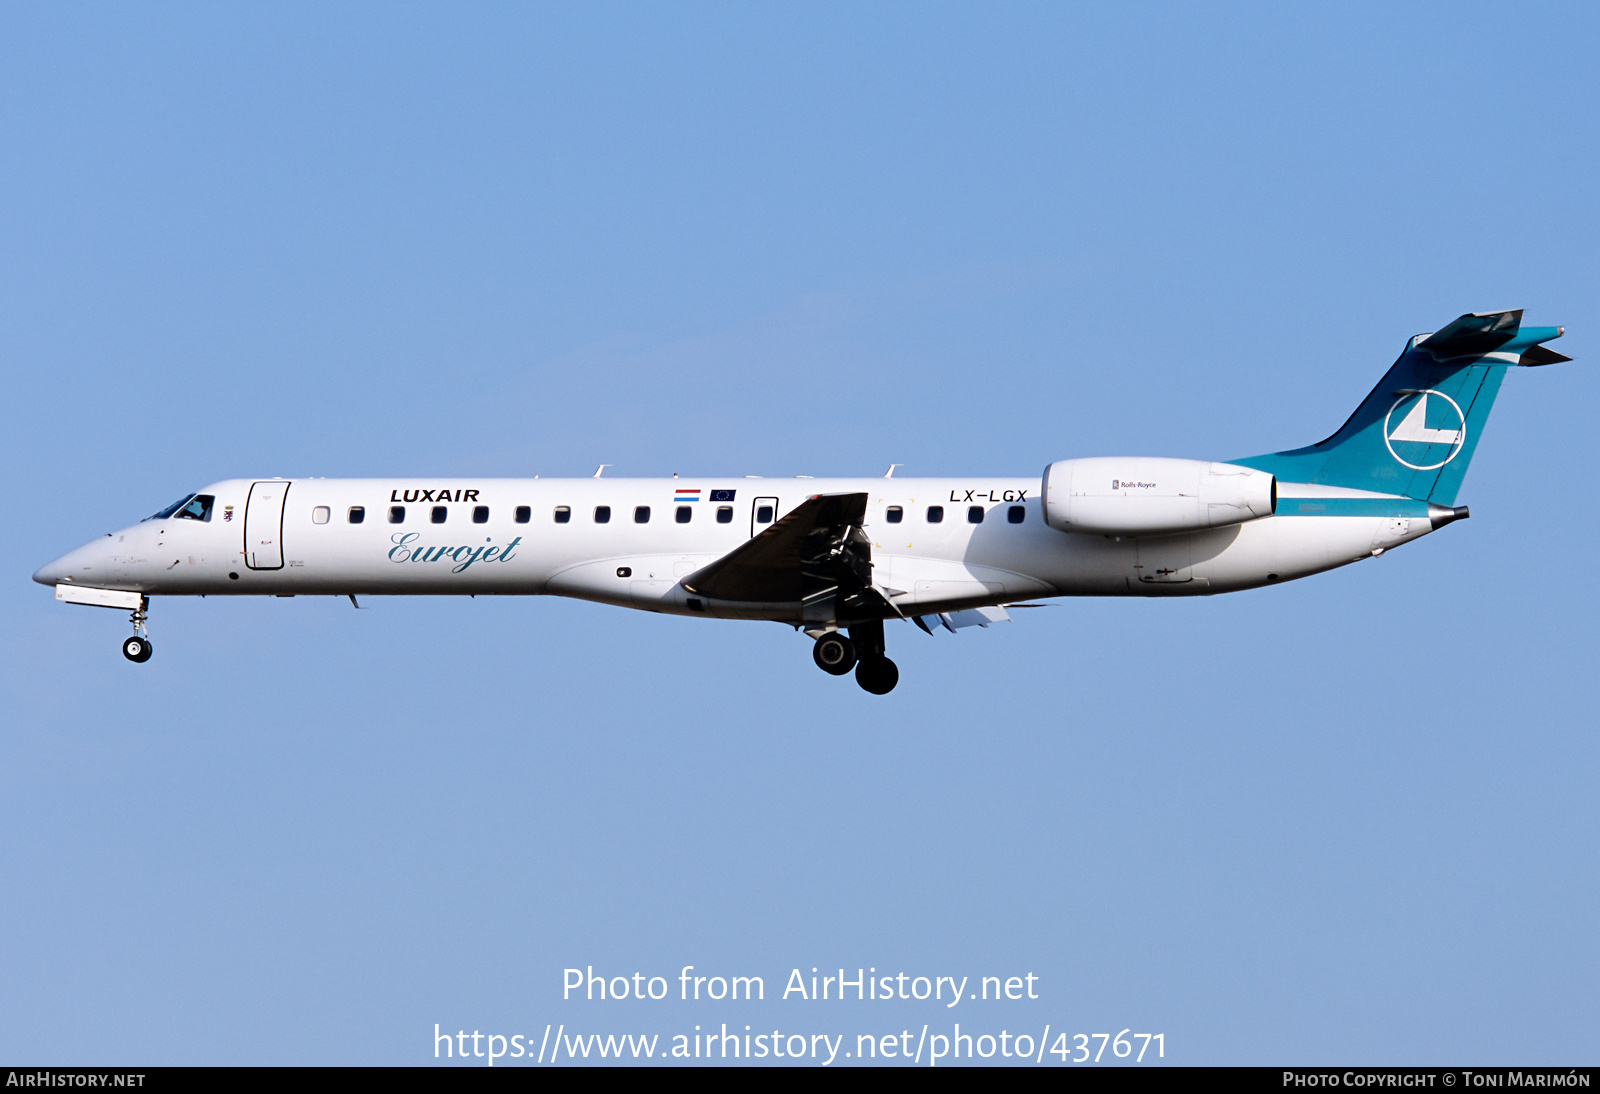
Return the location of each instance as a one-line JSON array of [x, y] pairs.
[[686, 494]]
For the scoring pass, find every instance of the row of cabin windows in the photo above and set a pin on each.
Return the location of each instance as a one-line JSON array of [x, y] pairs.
[[1015, 514]]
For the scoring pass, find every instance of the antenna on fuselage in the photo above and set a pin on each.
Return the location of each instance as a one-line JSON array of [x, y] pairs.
[[600, 469], [889, 474]]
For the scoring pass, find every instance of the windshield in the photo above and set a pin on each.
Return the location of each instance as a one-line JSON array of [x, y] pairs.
[[171, 509], [198, 508], [189, 507]]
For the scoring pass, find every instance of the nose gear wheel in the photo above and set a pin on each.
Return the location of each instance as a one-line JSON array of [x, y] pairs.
[[138, 649]]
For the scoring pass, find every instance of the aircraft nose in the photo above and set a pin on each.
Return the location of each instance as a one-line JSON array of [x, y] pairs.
[[51, 573], [65, 568]]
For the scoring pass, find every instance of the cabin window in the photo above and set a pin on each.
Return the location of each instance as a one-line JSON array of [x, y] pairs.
[[641, 514], [894, 514], [439, 513], [684, 514], [935, 514], [358, 513], [724, 514], [320, 514], [397, 514], [524, 514], [197, 508], [974, 514], [1017, 514], [480, 514], [563, 514], [763, 514], [602, 514]]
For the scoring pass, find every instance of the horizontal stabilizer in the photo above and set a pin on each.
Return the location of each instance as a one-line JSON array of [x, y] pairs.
[[1541, 355], [1475, 332]]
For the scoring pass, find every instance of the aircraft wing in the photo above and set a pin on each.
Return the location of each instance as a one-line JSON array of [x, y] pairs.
[[816, 554]]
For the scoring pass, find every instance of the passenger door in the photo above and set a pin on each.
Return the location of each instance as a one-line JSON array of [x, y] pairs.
[[263, 525]]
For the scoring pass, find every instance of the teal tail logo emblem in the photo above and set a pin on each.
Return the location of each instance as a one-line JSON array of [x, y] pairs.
[[1424, 429]]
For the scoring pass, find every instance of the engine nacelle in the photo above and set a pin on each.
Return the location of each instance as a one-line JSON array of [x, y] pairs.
[[1152, 496]]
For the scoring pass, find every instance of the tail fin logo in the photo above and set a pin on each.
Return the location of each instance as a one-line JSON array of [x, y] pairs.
[[1432, 427]]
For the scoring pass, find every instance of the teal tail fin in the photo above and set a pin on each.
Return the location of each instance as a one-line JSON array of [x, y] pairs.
[[1415, 434]]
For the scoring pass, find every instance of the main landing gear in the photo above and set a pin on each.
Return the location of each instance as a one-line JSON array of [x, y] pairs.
[[138, 648], [878, 675], [834, 653], [862, 651]]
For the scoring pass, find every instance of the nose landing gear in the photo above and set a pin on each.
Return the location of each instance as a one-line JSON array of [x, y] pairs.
[[138, 648], [862, 651]]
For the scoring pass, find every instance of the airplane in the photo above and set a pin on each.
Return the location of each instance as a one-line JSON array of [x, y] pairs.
[[838, 558]]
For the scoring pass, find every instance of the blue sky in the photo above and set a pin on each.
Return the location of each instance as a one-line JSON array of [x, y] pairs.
[[1349, 819]]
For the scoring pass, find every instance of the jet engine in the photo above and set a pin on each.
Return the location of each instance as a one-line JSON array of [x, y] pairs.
[[1152, 496]]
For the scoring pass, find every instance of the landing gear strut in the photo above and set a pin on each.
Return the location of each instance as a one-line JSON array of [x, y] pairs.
[[138, 648]]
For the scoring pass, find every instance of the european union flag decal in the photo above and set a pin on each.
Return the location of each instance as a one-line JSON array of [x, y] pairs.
[[722, 495]]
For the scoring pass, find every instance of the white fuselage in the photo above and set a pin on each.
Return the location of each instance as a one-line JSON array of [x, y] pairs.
[[304, 542]]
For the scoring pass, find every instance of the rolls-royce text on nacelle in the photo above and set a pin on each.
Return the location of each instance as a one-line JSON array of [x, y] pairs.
[[836, 559]]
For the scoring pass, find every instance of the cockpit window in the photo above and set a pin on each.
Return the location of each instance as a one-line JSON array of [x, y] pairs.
[[198, 508], [174, 507]]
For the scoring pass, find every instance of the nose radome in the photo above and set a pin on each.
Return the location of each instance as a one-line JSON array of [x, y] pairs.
[[63, 568], [51, 573]]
